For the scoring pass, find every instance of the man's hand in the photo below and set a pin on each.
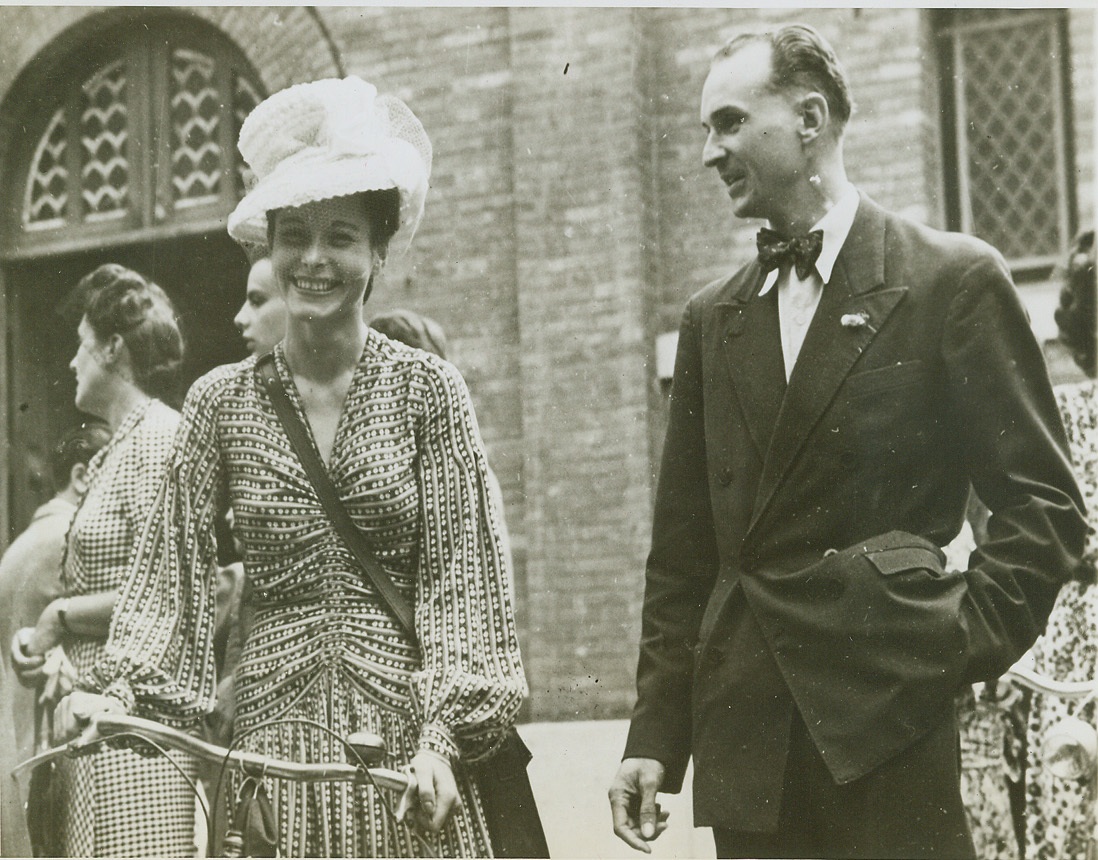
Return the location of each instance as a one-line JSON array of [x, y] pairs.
[[75, 711], [638, 819], [438, 791]]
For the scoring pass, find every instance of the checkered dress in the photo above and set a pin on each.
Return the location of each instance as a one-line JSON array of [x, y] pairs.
[[115, 802], [409, 465]]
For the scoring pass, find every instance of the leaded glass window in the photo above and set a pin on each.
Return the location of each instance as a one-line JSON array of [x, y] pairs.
[[1009, 159]]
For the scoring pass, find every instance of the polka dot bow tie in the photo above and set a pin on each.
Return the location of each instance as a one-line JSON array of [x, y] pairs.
[[801, 251]]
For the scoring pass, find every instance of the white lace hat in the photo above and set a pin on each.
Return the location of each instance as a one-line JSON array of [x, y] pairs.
[[331, 138]]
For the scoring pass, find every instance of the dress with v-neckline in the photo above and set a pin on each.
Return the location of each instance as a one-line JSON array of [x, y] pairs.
[[282, 367], [409, 466]]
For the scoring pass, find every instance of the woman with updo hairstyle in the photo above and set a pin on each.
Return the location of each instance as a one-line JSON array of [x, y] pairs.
[[128, 359], [341, 177], [121, 303], [1060, 813]]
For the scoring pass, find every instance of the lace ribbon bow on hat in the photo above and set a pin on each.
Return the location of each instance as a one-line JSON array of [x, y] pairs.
[[801, 251]]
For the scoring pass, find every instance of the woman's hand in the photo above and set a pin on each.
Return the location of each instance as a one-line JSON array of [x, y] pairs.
[[60, 678], [74, 712], [438, 792], [27, 666], [49, 631]]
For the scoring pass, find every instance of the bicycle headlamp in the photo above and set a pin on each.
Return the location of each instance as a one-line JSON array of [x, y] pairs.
[[1070, 749]]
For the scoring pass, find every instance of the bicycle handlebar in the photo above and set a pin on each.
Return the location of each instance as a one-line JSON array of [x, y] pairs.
[[104, 726], [1050, 687]]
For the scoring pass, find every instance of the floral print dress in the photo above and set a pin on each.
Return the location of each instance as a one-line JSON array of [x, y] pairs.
[[1060, 814]]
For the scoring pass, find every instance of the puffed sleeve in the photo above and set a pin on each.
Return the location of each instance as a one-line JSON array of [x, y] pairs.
[[471, 684], [159, 657]]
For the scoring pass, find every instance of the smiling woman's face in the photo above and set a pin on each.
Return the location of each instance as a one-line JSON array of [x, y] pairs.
[[323, 257]]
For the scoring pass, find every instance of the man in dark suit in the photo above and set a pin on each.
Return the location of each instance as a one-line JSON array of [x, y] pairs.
[[832, 402]]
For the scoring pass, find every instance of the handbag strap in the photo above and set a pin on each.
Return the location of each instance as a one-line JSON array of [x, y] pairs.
[[322, 482]]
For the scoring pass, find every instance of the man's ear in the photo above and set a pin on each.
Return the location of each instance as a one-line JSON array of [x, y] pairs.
[[815, 116]]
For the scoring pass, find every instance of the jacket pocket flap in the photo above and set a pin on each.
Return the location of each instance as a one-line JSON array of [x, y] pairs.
[[904, 558]]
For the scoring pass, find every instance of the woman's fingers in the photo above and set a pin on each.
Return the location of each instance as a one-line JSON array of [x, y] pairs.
[[27, 666], [425, 780], [438, 792], [75, 711]]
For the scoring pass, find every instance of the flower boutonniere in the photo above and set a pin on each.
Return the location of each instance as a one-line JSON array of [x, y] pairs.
[[858, 320]]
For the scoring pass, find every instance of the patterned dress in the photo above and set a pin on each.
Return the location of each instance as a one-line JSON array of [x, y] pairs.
[[1060, 817], [117, 803], [409, 465]]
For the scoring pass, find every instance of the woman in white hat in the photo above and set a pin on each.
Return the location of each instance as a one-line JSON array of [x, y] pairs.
[[341, 178]]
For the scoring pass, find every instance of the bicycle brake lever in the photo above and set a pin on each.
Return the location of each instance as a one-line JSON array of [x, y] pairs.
[[80, 745], [88, 737]]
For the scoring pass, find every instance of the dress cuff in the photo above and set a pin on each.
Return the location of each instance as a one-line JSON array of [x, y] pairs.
[[438, 739], [120, 690]]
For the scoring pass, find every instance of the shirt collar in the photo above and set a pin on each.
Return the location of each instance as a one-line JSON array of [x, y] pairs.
[[836, 224]]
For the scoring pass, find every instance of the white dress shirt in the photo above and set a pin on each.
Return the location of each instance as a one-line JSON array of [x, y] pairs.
[[797, 299]]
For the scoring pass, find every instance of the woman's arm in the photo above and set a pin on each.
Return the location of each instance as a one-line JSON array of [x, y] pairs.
[[87, 615], [471, 684], [159, 654]]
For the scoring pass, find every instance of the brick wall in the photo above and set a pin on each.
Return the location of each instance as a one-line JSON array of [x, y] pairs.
[[579, 225]]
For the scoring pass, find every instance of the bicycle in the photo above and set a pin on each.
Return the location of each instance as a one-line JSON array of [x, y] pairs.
[[1069, 748], [365, 749]]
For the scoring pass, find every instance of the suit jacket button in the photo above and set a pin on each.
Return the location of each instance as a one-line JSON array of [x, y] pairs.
[[725, 476]]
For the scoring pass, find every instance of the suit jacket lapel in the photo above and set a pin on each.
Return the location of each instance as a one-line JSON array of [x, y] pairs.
[[831, 347], [751, 341]]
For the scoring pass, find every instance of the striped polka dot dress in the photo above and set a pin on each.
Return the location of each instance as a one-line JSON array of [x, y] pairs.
[[409, 465]]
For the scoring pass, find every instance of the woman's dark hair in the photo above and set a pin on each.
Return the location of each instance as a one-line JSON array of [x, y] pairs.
[[1077, 315], [119, 301], [413, 329], [78, 446], [382, 214], [801, 57]]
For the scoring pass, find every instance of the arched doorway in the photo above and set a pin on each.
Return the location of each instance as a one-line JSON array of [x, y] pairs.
[[130, 157]]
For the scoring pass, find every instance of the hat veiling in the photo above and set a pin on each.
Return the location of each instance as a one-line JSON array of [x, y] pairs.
[[331, 138]]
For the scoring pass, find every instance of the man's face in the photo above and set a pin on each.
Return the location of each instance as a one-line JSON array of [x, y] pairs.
[[752, 136]]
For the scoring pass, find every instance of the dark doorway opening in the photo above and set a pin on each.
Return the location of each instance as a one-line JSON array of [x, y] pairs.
[[205, 277]]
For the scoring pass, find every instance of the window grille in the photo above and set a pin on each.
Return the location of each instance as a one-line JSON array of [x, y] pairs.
[[104, 129], [245, 99], [1008, 149], [46, 201], [196, 153]]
